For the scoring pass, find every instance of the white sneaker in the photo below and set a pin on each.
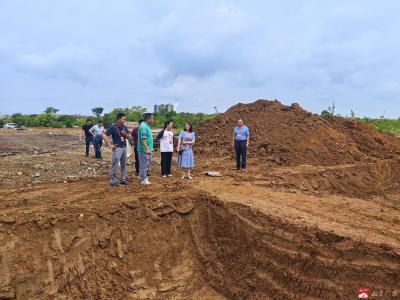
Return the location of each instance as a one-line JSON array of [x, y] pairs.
[[183, 177], [146, 182], [164, 176], [190, 177], [169, 175]]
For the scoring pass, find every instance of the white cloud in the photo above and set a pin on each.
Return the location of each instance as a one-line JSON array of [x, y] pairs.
[[68, 54], [201, 53]]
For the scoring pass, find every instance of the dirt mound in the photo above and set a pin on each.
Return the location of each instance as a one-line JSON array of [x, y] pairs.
[[289, 135]]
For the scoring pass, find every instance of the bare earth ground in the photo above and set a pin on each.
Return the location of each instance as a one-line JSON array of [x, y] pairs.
[[300, 232]]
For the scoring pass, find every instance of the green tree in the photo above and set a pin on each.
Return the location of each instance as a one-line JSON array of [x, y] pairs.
[[20, 119], [66, 121], [51, 110], [325, 113], [133, 113], [330, 111], [45, 120], [97, 111]]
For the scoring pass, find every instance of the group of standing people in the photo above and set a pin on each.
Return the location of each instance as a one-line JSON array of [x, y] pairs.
[[141, 139], [93, 135]]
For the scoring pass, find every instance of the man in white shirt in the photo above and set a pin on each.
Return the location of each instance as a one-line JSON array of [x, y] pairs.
[[97, 132], [167, 148]]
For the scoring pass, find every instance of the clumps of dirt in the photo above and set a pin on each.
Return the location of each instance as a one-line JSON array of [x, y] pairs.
[[289, 135], [356, 180], [37, 156], [49, 169], [178, 245], [249, 255], [135, 249], [369, 140]]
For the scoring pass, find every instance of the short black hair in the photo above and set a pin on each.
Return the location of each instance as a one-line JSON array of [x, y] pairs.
[[140, 121], [89, 120], [147, 116], [100, 121], [120, 115], [166, 123], [190, 126]]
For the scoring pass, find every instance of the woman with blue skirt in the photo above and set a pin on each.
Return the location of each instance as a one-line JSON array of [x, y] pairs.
[[185, 149]]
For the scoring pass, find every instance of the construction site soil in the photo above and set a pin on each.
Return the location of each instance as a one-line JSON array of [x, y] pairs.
[[316, 215]]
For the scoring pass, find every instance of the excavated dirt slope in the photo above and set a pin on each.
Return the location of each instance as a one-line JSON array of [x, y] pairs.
[[289, 135], [183, 244]]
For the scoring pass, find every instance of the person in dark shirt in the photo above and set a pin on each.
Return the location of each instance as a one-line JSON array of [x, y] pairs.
[[88, 135], [120, 134], [135, 132]]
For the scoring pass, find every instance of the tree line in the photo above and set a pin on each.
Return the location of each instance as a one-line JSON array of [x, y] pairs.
[[50, 118]]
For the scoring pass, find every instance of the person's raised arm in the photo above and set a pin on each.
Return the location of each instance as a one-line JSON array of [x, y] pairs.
[[130, 138], [126, 134], [91, 131]]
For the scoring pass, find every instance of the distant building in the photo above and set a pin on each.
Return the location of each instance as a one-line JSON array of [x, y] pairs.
[[164, 108]]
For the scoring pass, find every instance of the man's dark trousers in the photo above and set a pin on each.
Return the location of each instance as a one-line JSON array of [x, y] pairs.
[[88, 140], [136, 161], [98, 142], [241, 149]]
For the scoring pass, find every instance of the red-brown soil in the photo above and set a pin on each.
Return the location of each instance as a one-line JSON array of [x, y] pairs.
[[289, 135], [309, 220]]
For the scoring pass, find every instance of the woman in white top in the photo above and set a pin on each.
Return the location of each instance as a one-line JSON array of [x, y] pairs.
[[167, 148]]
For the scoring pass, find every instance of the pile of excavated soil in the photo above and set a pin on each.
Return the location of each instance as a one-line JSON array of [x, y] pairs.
[[289, 135]]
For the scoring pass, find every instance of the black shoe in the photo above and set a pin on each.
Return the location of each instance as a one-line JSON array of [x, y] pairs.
[[124, 182]]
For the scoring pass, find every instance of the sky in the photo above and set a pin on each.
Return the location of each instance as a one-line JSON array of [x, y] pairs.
[[76, 55]]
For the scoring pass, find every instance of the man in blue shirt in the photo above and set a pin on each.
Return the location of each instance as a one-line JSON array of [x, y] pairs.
[[241, 138], [119, 133]]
